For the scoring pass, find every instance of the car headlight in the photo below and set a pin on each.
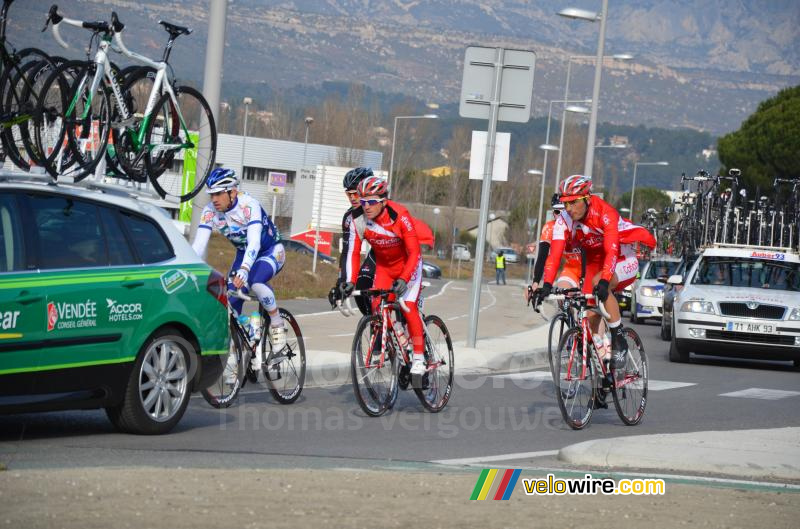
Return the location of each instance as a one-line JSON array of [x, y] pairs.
[[795, 315], [704, 307], [652, 292]]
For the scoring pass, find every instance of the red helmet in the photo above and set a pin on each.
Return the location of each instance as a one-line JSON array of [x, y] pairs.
[[373, 185], [575, 187]]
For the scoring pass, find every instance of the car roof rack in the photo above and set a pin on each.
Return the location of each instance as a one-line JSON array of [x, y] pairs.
[[752, 247], [127, 190]]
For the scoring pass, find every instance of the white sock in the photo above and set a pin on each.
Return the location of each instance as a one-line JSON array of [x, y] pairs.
[[418, 356], [276, 320]]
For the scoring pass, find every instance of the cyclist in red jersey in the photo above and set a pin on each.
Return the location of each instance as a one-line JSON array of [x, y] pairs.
[[389, 229], [609, 242], [571, 271]]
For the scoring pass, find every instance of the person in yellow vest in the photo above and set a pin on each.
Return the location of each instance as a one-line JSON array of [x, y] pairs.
[[500, 267]]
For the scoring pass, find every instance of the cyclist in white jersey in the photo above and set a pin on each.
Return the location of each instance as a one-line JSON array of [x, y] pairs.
[[259, 253]]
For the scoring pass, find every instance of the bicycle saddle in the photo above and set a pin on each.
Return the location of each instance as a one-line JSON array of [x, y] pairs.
[[174, 30]]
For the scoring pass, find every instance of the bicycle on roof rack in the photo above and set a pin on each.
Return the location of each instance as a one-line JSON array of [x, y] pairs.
[[87, 106]]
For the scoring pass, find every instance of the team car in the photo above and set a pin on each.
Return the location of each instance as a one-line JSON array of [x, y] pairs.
[[103, 304], [647, 292], [740, 302]]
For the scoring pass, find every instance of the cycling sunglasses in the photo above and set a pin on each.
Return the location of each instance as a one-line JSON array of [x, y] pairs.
[[351, 192], [371, 201]]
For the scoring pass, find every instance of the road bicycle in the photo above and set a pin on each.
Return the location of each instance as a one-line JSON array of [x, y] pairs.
[[175, 123], [580, 369], [380, 366], [564, 319], [284, 369]]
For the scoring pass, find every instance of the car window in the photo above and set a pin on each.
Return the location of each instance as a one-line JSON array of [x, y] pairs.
[[148, 239], [119, 253], [68, 232], [754, 273], [11, 247], [661, 268]]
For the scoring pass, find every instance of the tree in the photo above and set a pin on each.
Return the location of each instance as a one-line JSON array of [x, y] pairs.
[[768, 142], [645, 198]]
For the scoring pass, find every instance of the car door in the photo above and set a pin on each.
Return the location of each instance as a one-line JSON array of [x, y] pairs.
[[22, 295]]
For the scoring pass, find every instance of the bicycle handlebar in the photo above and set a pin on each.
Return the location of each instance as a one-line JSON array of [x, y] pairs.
[[241, 295], [573, 293], [346, 307], [54, 17]]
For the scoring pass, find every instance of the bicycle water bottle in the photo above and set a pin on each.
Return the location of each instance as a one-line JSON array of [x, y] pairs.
[[244, 321], [255, 326], [401, 335]]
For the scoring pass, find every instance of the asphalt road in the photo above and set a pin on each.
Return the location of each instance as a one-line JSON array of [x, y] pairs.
[[488, 416]]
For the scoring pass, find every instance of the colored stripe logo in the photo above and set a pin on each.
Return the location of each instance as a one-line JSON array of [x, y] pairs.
[[496, 484]]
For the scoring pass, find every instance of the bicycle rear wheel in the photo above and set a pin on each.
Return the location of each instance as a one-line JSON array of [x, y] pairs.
[[285, 369], [575, 392], [630, 384], [185, 125], [437, 383], [224, 391], [374, 383]]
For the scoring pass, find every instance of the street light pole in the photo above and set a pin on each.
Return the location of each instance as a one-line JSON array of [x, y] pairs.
[[394, 135], [633, 186], [598, 70], [309, 120], [247, 102], [436, 212]]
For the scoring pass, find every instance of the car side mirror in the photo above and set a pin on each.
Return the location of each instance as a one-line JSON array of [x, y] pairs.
[[662, 279], [675, 280]]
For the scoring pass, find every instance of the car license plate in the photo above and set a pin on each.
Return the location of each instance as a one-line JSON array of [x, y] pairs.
[[739, 326]]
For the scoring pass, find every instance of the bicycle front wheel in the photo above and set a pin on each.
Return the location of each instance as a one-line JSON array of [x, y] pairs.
[[374, 379], [437, 382], [185, 126], [88, 123], [630, 384], [284, 369], [557, 328], [575, 390], [224, 391]]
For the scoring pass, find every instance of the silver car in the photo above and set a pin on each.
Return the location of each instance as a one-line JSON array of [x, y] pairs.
[[648, 292], [739, 301]]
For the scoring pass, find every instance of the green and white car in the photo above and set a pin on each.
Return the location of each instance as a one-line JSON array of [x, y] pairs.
[[103, 304]]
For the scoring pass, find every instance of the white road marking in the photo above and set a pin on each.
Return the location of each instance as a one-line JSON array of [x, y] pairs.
[[761, 393], [488, 459], [660, 385], [652, 385], [530, 375], [459, 288], [340, 335]]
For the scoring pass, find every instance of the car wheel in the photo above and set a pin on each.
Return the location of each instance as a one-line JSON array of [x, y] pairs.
[[664, 330], [158, 388], [634, 319], [676, 352]]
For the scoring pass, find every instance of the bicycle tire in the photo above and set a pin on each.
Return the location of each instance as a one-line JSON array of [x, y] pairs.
[[437, 387], [87, 153], [127, 158], [50, 129], [570, 394], [223, 394], [630, 389], [287, 364], [165, 135], [374, 397], [562, 319], [19, 100]]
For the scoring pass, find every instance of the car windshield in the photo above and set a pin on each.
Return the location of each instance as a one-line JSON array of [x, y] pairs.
[[755, 273], [661, 268]]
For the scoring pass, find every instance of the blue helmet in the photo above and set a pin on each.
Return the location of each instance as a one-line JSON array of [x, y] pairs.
[[221, 179], [355, 176]]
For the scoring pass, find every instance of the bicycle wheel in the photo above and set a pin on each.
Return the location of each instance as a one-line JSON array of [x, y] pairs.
[[19, 110], [285, 369], [88, 123], [557, 327], [575, 391], [630, 384], [128, 154], [50, 130], [437, 383], [185, 125], [374, 383], [224, 391]]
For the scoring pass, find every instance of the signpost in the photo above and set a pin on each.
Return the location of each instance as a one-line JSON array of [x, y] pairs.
[[497, 85], [277, 184]]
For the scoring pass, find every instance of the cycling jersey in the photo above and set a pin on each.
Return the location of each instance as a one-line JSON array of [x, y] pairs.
[[572, 255], [366, 273], [600, 233], [234, 223], [394, 241]]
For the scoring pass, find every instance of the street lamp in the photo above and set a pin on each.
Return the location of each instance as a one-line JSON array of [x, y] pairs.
[[394, 134], [633, 186], [582, 14], [309, 120], [616, 56], [247, 102]]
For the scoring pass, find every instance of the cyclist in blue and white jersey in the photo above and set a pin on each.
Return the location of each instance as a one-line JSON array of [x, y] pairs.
[[259, 252]]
